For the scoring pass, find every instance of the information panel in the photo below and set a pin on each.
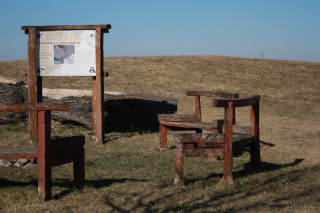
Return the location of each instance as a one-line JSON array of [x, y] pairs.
[[66, 53]]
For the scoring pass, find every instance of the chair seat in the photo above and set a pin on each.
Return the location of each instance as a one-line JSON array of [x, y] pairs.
[[238, 140], [189, 124]]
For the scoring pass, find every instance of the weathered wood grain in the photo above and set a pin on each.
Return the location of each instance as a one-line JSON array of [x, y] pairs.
[[241, 102], [34, 107], [176, 117], [221, 94]]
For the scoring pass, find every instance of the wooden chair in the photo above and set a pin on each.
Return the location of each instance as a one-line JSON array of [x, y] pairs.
[[222, 144], [50, 151], [176, 122]]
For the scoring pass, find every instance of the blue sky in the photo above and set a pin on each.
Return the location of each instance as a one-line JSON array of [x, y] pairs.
[[280, 29]]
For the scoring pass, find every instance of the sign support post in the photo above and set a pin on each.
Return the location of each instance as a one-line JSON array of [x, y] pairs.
[[35, 71]]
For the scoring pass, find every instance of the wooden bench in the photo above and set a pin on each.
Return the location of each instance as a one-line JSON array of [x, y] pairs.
[[176, 122], [50, 151], [222, 144]]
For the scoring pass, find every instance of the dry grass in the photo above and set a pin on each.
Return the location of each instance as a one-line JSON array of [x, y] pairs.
[[129, 174]]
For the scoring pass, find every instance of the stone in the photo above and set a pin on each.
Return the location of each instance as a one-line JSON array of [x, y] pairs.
[[27, 165], [17, 164], [22, 162], [5, 163]]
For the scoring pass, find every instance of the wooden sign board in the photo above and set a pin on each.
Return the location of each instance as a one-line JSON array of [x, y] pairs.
[[66, 53], [67, 50]]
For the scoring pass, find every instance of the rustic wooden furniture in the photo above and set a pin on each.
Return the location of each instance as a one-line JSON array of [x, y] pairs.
[[50, 151], [176, 122], [222, 144]]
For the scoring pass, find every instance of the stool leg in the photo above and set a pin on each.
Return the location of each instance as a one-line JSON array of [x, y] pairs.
[[163, 137], [178, 171], [78, 170]]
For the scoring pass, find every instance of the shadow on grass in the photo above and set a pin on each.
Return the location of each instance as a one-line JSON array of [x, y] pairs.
[[108, 182], [67, 183], [127, 133], [272, 192], [248, 170]]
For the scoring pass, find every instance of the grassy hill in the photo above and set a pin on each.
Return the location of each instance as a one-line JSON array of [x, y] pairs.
[[128, 174]]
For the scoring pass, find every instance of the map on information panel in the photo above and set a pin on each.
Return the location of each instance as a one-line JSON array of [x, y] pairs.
[[66, 53]]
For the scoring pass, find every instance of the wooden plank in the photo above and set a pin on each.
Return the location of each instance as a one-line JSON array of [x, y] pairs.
[[99, 83], [188, 125], [34, 107], [79, 169], [94, 108], [44, 160], [64, 143], [211, 145], [254, 130], [32, 82], [218, 123], [228, 155], [198, 138], [176, 117], [105, 27], [238, 129], [221, 94], [241, 140], [203, 152], [19, 153], [64, 156], [178, 170], [197, 105], [241, 102], [163, 136]]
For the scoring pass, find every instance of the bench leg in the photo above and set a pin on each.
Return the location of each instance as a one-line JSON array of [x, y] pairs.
[[178, 171], [78, 170], [163, 137]]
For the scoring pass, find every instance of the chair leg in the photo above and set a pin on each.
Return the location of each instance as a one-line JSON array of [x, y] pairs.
[[44, 158], [228, 155], [44, 179], [163, 137], [227, 169], [255, 158], [254, 128], [178, 171], [78, 170]]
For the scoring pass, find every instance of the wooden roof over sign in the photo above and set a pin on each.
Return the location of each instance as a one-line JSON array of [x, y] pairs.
[[104, 27]]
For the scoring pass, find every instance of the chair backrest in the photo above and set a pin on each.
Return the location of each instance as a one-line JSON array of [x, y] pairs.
[[44, 115], [231, 104], [34, 107], [197, 94]]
